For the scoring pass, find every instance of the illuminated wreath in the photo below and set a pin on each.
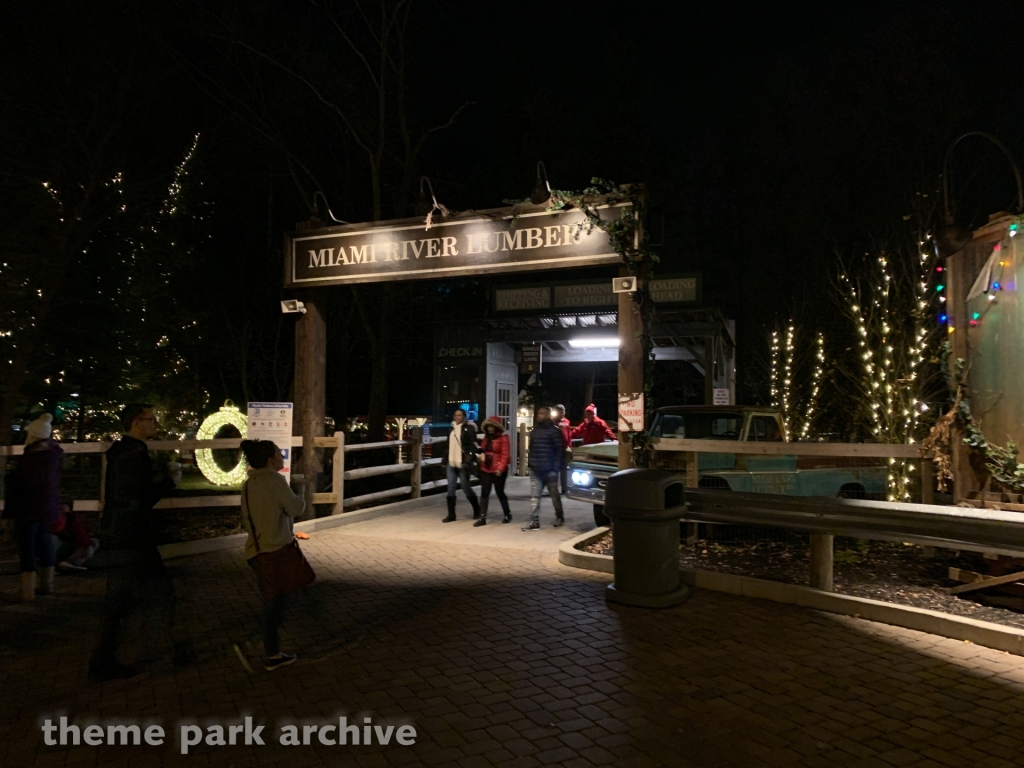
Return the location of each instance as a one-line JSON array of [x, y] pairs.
[[226, 416]]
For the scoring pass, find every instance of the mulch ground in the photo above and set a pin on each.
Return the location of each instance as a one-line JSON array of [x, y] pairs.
[[199, 523], [905, 574]]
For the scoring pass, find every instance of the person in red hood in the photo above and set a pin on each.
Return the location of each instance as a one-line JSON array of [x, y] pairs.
[[593, 429], [494, 456]]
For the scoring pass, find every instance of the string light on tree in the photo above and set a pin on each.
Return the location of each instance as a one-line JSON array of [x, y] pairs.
[[787, 382], [774, 380], [890, 312], [788, 366], [812, 404]]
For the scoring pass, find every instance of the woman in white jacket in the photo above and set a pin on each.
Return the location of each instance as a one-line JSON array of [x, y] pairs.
[[269, 508]]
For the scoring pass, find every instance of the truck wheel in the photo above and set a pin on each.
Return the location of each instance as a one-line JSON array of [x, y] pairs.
[[600, 518], [852, 491]]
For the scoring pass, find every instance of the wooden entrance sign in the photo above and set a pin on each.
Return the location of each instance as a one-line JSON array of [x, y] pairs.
[[489, 242], [497, 241]]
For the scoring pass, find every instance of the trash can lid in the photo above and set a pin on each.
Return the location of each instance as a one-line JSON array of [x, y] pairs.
[[644, 489]]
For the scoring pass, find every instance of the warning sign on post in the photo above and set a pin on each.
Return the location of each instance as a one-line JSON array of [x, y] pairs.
[[532, 359], [273, 421], [631, 412]]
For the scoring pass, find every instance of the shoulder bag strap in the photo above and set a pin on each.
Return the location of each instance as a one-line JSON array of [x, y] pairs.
[[252, 526]]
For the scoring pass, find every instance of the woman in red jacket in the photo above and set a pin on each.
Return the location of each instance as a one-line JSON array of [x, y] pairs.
[[494, 458]]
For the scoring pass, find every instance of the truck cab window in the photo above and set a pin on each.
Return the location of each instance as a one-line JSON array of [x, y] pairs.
[[764, 429], [698, 426]]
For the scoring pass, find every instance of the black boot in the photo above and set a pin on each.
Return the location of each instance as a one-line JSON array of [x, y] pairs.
[[474, 502], [451, 510], [483, 512]]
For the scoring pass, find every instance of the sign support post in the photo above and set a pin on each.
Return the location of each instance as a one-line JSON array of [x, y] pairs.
[[310, 391], [709, 369], [631, 363]]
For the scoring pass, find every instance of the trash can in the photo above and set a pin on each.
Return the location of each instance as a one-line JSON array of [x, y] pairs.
[[645, 506]]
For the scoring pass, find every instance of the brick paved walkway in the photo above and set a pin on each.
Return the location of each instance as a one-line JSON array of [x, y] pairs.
[[502, 657]]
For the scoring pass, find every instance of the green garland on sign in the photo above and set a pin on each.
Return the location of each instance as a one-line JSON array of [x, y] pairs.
[[1001, 462], [625, 235]]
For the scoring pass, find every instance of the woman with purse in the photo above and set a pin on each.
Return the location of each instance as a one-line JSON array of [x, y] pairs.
[[494, 460], [269, 509]]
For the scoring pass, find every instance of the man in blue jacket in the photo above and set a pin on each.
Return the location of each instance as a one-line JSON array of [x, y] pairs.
[[547, 452]]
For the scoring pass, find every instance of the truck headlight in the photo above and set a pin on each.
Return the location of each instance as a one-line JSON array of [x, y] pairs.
[[580, 477]]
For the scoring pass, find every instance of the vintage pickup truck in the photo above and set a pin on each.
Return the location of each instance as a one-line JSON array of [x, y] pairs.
[[591, 465]]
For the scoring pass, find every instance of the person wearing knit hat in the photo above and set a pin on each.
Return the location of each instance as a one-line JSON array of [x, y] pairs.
[[33, 501], [495, 454], [593, 429], [40, 429]]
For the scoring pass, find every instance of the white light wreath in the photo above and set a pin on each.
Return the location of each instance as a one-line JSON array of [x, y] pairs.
[[227, 415]]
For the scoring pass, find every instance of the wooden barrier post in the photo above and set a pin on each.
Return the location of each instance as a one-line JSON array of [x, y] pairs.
[[692, 481], [631, 361], [310, 391], [927, 481], [521, 468], [338, 479], [822, 547], [103, 482], [416, 457]]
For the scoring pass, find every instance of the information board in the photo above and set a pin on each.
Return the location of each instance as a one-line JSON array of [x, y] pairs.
[[273, 421]]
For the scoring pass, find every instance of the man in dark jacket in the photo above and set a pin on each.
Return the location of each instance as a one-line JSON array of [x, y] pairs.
[[459, 459], [547, 452], [137, 576]]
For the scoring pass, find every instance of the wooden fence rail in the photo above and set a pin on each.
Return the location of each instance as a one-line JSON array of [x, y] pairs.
[[336, 496]]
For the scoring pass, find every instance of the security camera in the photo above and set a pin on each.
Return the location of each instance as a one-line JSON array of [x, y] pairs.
[[293, 305], [624, 285]]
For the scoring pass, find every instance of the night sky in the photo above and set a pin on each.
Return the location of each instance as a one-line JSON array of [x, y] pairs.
[[773, 140]]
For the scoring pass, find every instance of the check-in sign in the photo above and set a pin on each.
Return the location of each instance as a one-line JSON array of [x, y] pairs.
[[490, 242]]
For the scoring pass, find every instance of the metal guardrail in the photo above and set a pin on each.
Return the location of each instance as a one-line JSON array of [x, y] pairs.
[[979, 530], [964, 528]]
